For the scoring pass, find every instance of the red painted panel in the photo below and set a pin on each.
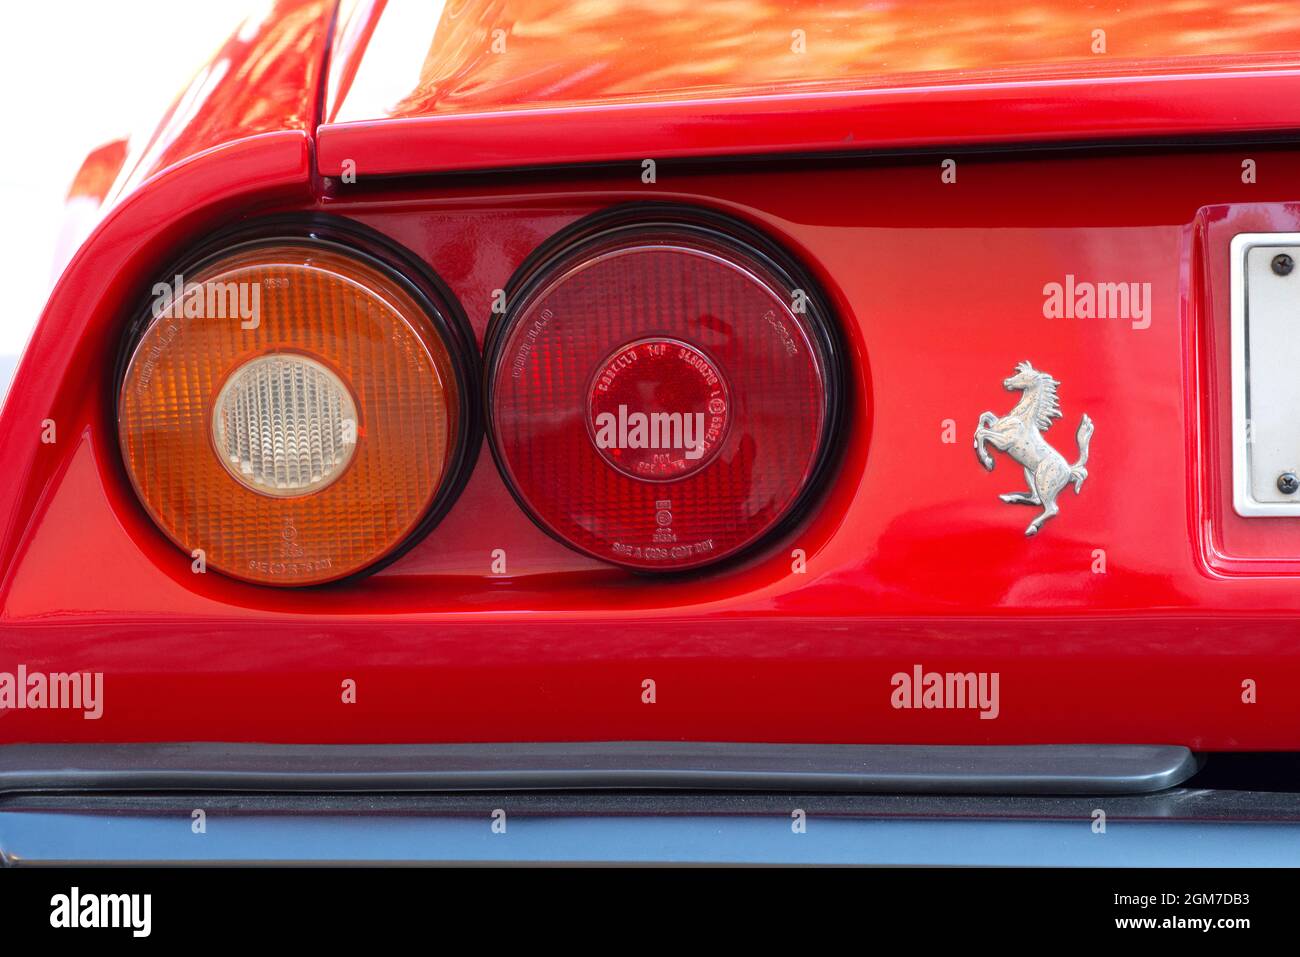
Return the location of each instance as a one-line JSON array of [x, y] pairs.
[[1232, 543], [266, 78], [403, 61], [545, 82], [911, 557]]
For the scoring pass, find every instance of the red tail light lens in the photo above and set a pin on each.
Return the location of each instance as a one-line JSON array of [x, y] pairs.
[[662, 393], [306, 428]]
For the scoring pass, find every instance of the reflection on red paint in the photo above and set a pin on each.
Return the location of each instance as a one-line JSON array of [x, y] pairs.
[[486, 55]]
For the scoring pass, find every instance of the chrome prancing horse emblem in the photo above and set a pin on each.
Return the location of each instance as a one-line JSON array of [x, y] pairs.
[[1019, 433]]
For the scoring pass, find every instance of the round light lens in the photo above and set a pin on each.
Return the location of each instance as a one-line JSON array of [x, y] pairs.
[[284, 424], [292, 411], [661, 396]]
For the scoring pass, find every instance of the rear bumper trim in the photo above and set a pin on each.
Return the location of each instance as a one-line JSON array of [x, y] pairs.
[[894, 769], [1179, 827]]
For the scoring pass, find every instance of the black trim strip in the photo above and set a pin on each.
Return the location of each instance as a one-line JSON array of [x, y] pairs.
[[894, 769]]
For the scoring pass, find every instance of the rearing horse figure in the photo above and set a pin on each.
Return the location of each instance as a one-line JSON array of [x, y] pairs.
[[1020, 434]]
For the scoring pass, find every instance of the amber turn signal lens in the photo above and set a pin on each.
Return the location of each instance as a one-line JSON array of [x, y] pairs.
[[290, 411]]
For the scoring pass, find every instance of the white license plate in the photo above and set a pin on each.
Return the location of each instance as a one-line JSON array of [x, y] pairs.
[[1266, 374]]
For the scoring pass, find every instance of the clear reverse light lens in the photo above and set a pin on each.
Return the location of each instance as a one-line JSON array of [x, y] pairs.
[[284, 424]]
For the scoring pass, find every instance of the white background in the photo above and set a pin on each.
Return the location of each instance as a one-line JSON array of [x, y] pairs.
[[75, 74]]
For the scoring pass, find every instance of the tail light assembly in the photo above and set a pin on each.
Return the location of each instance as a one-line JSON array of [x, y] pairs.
[[662, 389], [662, 393], [296, 408]]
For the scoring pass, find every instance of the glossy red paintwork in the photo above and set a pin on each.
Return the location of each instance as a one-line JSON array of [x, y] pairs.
[[265, 79], [911, 557], [548, 82], [482, 56], [1232, 544]]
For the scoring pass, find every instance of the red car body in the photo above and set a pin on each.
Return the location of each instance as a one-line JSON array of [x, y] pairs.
[[1134, 618]]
